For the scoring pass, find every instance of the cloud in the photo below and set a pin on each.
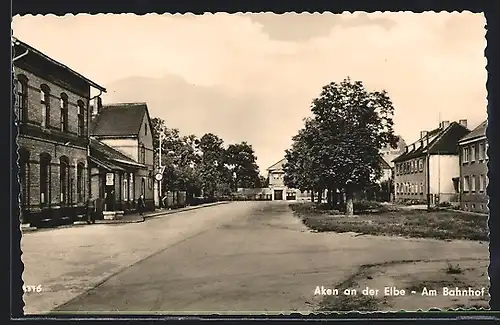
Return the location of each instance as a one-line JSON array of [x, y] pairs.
[[250, 76]]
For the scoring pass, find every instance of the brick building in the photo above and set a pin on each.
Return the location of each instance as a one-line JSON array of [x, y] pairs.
[[474, 170], [122, 166], [428, 170], [51, 106]]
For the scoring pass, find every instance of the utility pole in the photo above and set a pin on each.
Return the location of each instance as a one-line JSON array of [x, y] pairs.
[[439, 168], [159, 176]]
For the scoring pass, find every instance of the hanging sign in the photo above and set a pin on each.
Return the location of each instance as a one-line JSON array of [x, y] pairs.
[[110, 179]]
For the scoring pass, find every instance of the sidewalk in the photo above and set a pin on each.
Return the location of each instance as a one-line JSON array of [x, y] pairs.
[[128, 218]]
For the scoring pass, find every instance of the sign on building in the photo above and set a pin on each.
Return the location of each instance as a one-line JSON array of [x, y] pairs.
[[110, 179]]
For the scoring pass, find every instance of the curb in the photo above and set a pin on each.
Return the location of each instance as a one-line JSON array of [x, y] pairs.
[[167, 212], [27, 229], [468, 212]]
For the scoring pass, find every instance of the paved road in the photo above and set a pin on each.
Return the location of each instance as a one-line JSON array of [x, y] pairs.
[[261, 259]]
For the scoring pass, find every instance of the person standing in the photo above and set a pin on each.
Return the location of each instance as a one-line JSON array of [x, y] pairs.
[[141, 205]]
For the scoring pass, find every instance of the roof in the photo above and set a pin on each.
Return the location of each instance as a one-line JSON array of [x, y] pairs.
[[119, 119], [277, 165], [442, 142], [384, 163], [478, 132], [110, 154], [34, 50]]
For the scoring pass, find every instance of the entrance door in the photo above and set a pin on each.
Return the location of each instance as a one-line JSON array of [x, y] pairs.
[[110, 198], [278, 194]]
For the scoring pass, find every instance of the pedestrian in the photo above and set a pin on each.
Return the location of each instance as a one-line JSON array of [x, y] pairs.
[[141, 205]]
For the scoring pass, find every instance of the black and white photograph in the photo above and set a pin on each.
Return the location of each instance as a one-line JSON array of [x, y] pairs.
[[252, 163]]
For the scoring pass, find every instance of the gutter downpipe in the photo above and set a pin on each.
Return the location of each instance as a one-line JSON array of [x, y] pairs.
[[20, 56], [89, 116]]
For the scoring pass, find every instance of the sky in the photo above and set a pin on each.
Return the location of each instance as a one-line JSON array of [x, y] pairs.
[[252, 77]]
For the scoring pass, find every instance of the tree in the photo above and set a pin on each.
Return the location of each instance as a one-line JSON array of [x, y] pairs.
[[302, 167], [339, 146], [216, 177], [354, 125], [241, 159], [179, 157]]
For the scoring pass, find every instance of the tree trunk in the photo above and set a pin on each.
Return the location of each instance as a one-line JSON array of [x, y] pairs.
[[329, 198], [320, 196], [334, 198], [312, 196], [349, 206]]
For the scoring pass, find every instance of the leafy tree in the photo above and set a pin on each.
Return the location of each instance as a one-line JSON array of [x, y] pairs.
[[340, 144], [215, 175], [179, 157], [241, 159]]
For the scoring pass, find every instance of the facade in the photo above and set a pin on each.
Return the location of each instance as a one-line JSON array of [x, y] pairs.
[[277, 187], [386, 170], [474, 170], [428, 170], [51, 106], [389, 153], [122, 155]]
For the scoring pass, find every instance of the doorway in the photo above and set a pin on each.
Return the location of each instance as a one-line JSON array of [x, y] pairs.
[[278, 194]]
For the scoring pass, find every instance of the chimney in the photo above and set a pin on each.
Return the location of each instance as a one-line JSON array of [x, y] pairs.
[[445, 124], [96, 106], [463, 123], [423, 134]]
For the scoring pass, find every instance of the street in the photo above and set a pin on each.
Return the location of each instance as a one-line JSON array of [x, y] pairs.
[[237, 257]]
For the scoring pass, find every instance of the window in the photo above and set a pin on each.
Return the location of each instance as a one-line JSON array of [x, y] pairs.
[[44, 179], [486, 145], [81, 118], [24, 176], [473, 153], [142, 154], [473, 183], [421, 187], [146, 129], [126, 190], [45, 101], [21, 101], [63, 102], [143, 186], [80, 183], [465, 155], [421, 165], [482, 183], [131, 187], [64, 179], [481, 151], [466, 185]]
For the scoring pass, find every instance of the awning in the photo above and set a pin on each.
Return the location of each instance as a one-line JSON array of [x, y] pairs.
[[106, 165], [129, 163]]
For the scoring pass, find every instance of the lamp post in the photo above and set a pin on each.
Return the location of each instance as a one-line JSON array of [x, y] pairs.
[[159, 176]]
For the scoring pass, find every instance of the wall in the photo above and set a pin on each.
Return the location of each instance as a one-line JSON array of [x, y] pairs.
[[443, 168], [417, 178], [476, 201], [128, 147], [276, 178], [146, 138], [76, 155], [35, 107]]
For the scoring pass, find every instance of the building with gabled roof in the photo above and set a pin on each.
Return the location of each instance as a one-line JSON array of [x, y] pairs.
[[51, 112], [122, 155], [277, 187], [474, 170], [428, 170]]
